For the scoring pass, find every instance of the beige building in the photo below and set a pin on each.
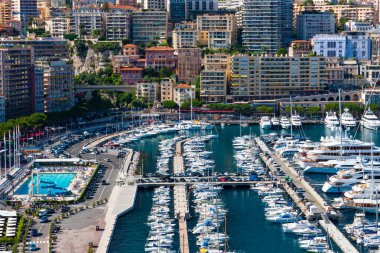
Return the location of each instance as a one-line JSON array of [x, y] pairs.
[[182, 93], [358, 13], [166, 88], [334, 72], [270, 77], [216, 31], [147, 91], [189, 63], [185, 35], [214, 77]]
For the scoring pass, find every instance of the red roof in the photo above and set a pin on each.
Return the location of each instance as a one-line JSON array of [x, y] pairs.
[[159, 48], [183, 86], [300, 41], [130, 46], [131, 68], [124, 7]]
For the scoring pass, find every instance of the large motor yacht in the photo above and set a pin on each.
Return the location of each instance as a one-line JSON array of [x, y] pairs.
[[265, 122], [284, 121], [295, 120], [331, 120], [344, 180], [370, 120], [347, 119]]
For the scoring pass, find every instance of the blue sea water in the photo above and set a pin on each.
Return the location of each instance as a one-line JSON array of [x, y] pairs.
[[50, 184], [246, 224]]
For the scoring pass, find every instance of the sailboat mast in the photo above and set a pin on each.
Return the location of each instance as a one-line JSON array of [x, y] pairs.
[[340, 125], [291, 115], [191, 105]]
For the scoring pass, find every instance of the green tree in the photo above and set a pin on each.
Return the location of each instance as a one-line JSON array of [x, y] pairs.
[[313, 110], [282, 51], [169, 104]]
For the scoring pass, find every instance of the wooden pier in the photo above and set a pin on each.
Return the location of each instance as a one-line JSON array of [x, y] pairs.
[[181, 202], [312, 196]]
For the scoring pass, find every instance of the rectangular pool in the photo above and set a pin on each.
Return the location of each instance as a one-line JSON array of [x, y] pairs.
[[50, 184]]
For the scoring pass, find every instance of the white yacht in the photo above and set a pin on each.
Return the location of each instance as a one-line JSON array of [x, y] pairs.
[[347, 119], [284, 121], [370, 120], [331, 120], [275, 122], [344, 180], [337, 148], [295, 120], [265, 122]]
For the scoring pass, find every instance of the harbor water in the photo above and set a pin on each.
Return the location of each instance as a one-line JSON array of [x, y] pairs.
[[246, 224]]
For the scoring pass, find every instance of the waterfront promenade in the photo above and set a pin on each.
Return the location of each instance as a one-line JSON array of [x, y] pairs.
[[344, 244], [121, 201]]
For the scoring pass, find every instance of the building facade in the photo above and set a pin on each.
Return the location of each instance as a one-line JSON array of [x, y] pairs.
[[147, 91], [166, 88], [267, 24], [193, 8], [118, 23], [149, 26], [17, 80], [311, 23], [188, 63], [358, 45], [270, 77], [177, 11], [160, 57], [86, 20], [329, 45], [185, 35], [182, 93], [58, 85], [216, 31]]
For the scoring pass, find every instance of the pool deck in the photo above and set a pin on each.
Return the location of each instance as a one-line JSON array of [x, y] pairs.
[[122, 200]]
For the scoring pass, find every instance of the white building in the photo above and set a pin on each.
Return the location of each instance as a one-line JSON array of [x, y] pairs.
[[185, 35], [329, 45], [358, 45], [358, 26], [182, 93], [118, 24], [59, 26], [86, 20]]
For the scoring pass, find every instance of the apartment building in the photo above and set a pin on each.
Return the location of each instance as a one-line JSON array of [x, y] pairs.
[[85, 20], [58, 84], [185, 35], [5, 12], [59, 26], [216, 31], [310, 23], [193, 8], [177, 11], [188, 63], [267, 24], [214, 77], [43, 47], [39, 89], [183, 92], [270, 77], [147, 91], [358, 45], [166, 88], [299, 48], [130, 75], [24, 9], [17, 80], [158, 5], [148, 26], [118, 22], [160, 57]]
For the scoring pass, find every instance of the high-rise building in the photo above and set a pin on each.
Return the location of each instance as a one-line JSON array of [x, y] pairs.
[[193, 8], [267, 24], [58, 85], [43, 47], [5, 11], [269, 77], [177, 11], [59, 26], [158, 5], [17, 80], [185, 35], [188, 63], [148, 26], [38, 89], [23, 10], [310, 23], [86, 20]]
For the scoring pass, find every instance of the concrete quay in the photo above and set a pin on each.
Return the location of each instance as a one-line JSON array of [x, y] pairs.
[[181, 201], [344, 244], [122, 200]]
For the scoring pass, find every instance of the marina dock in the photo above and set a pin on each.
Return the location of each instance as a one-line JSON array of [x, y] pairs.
[[181, 201], [312, 196]]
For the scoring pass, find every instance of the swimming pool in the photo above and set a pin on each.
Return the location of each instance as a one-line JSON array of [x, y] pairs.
[[50, 184]]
